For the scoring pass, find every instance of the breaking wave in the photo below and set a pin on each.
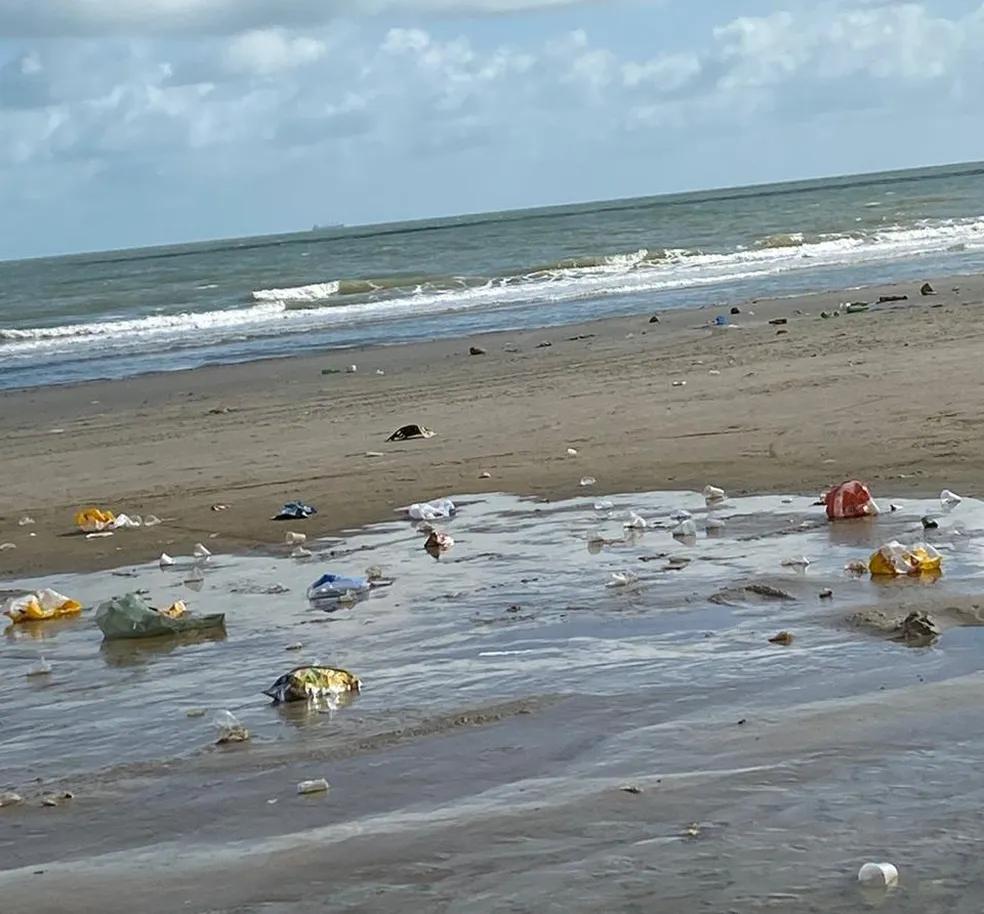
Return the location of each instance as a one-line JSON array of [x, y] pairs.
[[315, 292], [782, 240], [342, 302], [154, 324]]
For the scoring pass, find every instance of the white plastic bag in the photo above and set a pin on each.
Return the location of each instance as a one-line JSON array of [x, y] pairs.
[[685, 529], [432, 510]]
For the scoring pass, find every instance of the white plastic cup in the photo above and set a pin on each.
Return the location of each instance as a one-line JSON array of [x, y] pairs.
[[878, 875]]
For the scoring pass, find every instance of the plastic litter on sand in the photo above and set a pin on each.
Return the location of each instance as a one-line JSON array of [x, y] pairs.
[[686, 528], [41, 668], [878, 874], [799, 561], [713, 494], [587, 481], [622, 579], [230, 728], [438, 542], [432, 510], [949, 499], [318, 785]]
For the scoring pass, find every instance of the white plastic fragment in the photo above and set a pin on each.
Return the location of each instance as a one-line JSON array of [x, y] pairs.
[[151, 520], [126, 522], [572, 452], [25, 521], [622, 579], [800, 562], [587, 481], [294, 539], [949, 499], [41, 668], [318, 785], [432, 510], [201, 552], [878, 874], [165, 561], [352, 369], [99, 535], [231, 730], [679, 383], [713, 494], [5, 546], [685, 529]]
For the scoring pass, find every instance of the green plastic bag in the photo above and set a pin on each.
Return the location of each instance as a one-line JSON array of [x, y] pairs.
[[130, 616]]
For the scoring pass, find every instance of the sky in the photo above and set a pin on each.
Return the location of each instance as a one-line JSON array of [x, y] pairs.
[[128, 123]]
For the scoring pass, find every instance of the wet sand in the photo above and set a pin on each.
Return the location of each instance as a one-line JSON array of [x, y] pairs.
[[765, 774], [890, 396]]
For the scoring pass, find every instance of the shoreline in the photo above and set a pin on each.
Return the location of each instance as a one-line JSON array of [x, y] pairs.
[[826, 298], [886, 395]]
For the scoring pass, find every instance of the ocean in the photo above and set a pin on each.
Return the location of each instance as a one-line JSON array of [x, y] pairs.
[[116, 314]]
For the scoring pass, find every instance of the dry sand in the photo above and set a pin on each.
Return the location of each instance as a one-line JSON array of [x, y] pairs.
[[891, 396]]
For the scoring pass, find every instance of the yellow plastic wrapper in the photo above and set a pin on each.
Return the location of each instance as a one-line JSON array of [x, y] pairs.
[[896, 559], [175, 610], [93, 520], [41, 606], [309, 682]]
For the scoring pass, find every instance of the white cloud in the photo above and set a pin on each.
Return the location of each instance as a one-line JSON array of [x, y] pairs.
[[269, 51], [148, 97], [891, 41], [353, 101], [157, 17], [665, 74]]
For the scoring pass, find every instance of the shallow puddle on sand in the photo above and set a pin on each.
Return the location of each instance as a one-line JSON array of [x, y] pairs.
[[519, 607], [796, 763]]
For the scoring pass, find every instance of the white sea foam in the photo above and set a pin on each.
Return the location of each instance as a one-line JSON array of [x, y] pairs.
[[315, 292], [349, 302], [153, 324]]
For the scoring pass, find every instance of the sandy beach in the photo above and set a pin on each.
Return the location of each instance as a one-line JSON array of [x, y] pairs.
[[890, 394], [528, 739]]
